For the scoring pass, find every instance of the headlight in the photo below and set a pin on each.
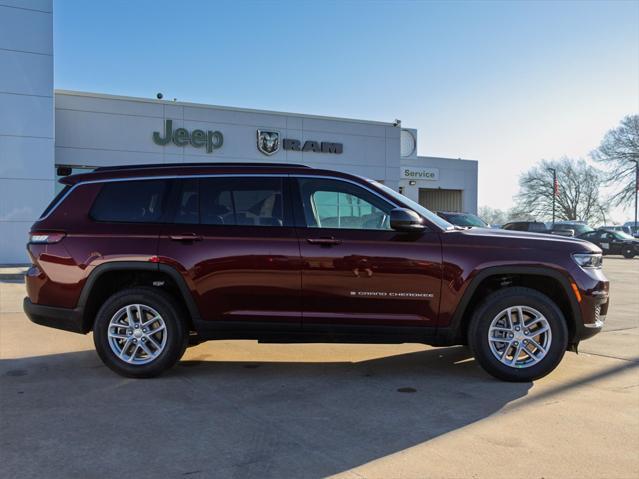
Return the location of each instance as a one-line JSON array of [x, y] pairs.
[[588, 260]]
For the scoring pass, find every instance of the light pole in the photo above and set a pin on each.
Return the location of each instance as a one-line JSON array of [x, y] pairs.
[[554, 192], [634, 229]]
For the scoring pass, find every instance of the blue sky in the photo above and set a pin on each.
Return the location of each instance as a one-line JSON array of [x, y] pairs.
[[505, 83]]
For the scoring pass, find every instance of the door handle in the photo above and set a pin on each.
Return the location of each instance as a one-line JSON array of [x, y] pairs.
[[186, 237], [324, 241]]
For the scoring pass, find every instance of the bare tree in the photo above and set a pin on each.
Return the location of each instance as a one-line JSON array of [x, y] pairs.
[[492, 216], [577, 196], [496, 216], [617, 149]]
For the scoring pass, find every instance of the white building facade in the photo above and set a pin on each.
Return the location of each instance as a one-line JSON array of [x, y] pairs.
[[45, 133]]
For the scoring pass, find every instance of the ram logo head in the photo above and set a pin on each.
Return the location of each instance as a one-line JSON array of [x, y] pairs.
[[268, 142]]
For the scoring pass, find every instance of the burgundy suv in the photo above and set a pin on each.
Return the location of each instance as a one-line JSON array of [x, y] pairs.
[[154, 258]]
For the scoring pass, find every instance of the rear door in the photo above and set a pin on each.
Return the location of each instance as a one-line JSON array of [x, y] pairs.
[[232, 238], [356, 270]]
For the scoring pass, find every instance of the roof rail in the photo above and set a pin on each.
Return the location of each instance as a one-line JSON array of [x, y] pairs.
[[187, 165]]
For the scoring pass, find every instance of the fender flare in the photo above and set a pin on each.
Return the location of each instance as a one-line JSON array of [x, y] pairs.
[[100, 270], [454, 328]]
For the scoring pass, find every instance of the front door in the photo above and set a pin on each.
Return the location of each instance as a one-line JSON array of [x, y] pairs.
[[356, 270], [233, 240]]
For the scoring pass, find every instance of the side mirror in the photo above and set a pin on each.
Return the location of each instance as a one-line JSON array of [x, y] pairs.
[[403, 219]]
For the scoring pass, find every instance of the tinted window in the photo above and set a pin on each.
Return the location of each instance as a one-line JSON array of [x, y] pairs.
[[515, 227], [55, 200], [187, 208], [578, 228], [338, 204], [130, 201], [622, 235], [241, 201], [538, 227]]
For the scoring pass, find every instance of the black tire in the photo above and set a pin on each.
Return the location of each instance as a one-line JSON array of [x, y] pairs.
[[496, 302], [177, 333], [628, 253]]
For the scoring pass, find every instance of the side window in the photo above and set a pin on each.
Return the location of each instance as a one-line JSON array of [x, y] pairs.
[[130, 201], [338, 204], [188, 203], [242, 201]]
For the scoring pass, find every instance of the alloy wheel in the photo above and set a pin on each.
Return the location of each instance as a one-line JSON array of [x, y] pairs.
[[519, 336], [137, 334]]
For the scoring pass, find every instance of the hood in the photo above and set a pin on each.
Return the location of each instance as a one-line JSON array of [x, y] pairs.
[[524, 238]]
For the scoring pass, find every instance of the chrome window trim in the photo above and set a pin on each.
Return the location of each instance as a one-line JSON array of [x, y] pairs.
[[214, 175]]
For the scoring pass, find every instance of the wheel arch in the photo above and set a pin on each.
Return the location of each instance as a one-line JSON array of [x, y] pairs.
[[108, 278], [544, 279]]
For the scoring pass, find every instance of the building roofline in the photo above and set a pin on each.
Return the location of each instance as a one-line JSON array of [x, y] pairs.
[[217, 107], [421, 157]]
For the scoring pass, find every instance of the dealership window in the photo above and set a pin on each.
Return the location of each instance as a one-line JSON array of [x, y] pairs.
[[338, 204], [130, 201]]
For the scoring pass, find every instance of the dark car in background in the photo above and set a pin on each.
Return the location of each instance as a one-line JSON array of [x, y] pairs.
[[530, 226], [613, 242], [577, 228], [466, 220]]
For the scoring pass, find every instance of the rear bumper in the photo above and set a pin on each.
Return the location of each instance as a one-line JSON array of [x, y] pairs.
[[59, 318]]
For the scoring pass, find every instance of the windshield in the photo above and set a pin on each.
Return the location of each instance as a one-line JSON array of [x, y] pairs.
[[429, 215], [621, 235], [466, 219]]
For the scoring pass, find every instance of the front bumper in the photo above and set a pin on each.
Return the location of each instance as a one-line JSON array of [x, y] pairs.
[[594, 308], [53, 317]]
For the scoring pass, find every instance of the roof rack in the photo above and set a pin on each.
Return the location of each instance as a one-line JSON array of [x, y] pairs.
[[182, 165]]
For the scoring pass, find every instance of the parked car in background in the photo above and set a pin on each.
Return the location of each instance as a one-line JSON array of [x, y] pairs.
[[634, 228], [625, 229], [531, 226], [613, 242], [463, 219], [579, 228]]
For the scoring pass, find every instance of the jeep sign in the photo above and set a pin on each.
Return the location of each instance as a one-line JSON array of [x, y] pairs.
[[212, 140]]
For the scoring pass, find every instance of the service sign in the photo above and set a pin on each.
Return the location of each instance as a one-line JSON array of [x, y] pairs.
[[431, 174]]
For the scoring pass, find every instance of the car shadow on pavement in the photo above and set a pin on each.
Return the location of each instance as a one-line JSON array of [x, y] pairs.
[[234, 419]]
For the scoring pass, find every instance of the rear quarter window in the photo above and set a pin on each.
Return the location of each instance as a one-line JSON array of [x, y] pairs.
[[130, 201], [55, 201]]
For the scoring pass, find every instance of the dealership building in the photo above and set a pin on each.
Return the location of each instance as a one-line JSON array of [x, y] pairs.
[[46, 132]]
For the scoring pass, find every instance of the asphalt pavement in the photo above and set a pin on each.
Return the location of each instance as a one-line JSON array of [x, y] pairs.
[[247, 410]]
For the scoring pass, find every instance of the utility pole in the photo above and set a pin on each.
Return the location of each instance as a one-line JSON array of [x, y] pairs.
[[634, 229], [555, 190]]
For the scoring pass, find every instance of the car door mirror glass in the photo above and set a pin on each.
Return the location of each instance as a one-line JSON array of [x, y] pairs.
[[403, 219]]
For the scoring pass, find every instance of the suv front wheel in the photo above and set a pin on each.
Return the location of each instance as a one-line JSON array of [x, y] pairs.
[[139, 332], [518, 334]]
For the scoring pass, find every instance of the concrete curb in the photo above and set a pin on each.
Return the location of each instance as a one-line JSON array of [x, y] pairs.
[[12, 272]]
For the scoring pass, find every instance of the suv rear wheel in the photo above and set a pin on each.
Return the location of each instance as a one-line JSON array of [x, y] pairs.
[[140, 333], [518, 334]]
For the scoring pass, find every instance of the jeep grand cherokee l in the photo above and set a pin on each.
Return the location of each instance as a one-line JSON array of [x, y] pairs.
[[154, 258]]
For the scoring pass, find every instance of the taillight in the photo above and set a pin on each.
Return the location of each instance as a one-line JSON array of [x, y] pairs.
[[45, 238]]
